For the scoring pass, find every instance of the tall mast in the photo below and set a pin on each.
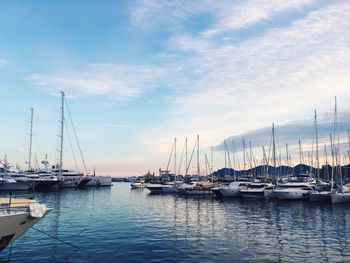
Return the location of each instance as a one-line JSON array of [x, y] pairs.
[[61, 135], [349, 146], [337, 152], [211, 157], [317, 156], [326, 172], [186, 155], [198, 171], [225, 155], [244, 162], [30, 139], [274, 149], [175, 161], [332, 152]]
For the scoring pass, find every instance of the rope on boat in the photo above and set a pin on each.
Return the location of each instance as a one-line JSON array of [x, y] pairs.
[[53, 237]]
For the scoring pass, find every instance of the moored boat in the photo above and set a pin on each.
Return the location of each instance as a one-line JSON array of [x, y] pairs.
[[17, 216]]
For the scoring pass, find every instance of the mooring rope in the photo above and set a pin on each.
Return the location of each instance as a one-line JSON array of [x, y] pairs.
[[53, 237]]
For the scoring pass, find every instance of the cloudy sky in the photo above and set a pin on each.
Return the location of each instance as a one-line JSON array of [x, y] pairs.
[[139, 73]]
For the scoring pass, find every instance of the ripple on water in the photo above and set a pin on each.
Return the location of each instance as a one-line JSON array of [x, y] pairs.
[[121, 225]]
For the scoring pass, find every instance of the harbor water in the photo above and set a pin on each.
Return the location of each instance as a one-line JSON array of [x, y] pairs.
[[117, 224]]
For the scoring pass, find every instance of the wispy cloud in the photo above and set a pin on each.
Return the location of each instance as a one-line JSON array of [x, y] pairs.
[[3, 62], [117, 81], [280, 76], [229, 15]]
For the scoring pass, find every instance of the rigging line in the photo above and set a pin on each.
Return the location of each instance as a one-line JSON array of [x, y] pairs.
[[75, 134], [171, 154], [237, 157], [53, 237], [71, 147], [182, 154], [189, 163]]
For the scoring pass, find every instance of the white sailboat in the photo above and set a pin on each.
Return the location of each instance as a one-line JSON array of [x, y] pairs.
[[68, 178], [342, 195], [319, 193]]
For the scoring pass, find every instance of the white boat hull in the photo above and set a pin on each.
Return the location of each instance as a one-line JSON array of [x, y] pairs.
[[17, 186], [292, 194], [99, 181], [15, 224], [230, 192], [270, 194]]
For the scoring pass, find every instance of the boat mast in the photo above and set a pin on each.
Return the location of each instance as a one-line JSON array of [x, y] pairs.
[[317, 156], [198, 171], [337, 152], [186, 155], [211, 157], [234, 160], [61, 135], [225, 157], [326, 172], [274, 150], [349, 146], [30, 139], [332, 152], [175, 161], [244, 162]]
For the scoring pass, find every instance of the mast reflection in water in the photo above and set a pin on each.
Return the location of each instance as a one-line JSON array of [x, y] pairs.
[[121, 225]]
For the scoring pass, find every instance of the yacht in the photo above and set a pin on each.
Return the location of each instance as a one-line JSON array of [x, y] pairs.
[[72, 179], [138, 184], [197, 188], [231, 190], [99, 181], [17, 216], [255, 190], [155, 188], [293, 190]]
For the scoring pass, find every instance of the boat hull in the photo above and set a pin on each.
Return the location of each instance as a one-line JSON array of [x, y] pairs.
[[17, 186], [96, 181], [230, 192], [292, 195], [155, 189], [270, 194], [15, 224], [256, 194], [338, 198], [320, 196]]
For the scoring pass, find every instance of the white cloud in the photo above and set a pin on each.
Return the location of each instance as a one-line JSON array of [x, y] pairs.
[[117, 81], [229, 14], [280, 76]]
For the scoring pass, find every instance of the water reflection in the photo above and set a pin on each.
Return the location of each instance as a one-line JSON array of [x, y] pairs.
[[119, 225]]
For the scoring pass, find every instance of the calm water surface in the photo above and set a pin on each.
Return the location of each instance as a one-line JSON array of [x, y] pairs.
[[118, 224]]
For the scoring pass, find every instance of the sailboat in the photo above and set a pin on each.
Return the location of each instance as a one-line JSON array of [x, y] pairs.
[[166, 187], [340, 196], [196, 187], [320, 193], [68, 178]]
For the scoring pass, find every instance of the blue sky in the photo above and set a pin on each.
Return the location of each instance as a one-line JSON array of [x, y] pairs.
[[139, 73]]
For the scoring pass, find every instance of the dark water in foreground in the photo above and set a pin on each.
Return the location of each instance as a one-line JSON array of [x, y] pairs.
[[121, 225]]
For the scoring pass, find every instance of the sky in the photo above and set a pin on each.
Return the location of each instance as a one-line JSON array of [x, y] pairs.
[[139, 73]]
